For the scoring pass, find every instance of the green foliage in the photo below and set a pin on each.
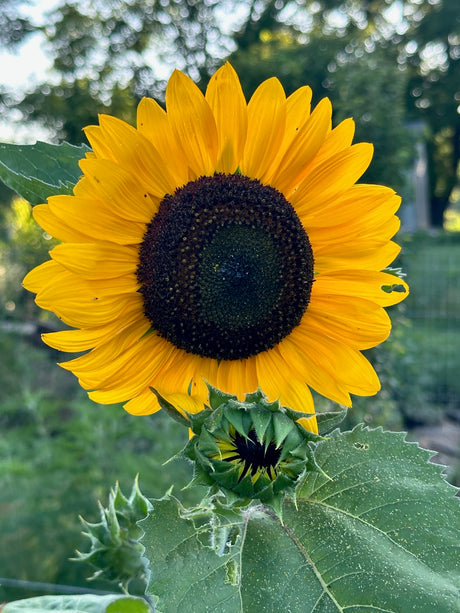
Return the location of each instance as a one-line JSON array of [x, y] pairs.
[[381, 533], [187, 573], [23, 245], [41, 170], [86, 603], [57, 454]]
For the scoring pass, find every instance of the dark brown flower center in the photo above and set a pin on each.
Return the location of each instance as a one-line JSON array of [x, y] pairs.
[[226, 268]]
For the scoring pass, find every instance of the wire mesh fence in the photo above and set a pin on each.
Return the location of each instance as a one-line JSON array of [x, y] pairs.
[[433, 307]]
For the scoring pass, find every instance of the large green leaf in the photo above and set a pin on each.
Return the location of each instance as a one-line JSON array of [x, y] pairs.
[[188, 574], [41, 170], [382, 535], [85, 603]]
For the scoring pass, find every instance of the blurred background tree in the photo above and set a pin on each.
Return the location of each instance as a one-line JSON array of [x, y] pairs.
[[386, 63], [13, 28], [401, 55], [103, 57], [431, 54]]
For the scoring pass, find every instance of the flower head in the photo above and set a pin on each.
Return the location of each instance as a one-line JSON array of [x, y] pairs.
[[221, 241]]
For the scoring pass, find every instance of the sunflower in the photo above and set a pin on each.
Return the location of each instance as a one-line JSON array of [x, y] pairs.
[[225, 242]]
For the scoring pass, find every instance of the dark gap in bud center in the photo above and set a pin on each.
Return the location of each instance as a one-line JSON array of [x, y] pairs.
[[255, 455]]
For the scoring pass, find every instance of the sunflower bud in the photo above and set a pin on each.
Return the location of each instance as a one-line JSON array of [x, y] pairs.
[[253, 449], [115, 549]]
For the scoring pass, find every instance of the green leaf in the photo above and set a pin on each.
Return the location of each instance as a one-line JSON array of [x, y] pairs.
[[382, 535], [328, 421], [41, 170], [86, 603], [186, 573]]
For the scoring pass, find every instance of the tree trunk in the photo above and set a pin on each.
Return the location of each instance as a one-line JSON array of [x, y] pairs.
[[437, 208], [439, 204]]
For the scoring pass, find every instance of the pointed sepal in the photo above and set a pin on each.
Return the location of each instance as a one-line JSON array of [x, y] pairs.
[[170, 409]]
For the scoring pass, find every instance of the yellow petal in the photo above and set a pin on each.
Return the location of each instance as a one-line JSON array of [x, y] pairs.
[[99, 144], [358, 323], [361, 254], [309, 423], [266, 127], [52, 277], [126, 336], [107, 310], [378, 225], [75, 341], [56, 288], [358, 200], [153, 123], [388, 229], [297, 114], [185, 403], [228, 104], [277, 381], [100, 260], [122, 367], [77, 307], [144, 403], [102, 359], [237, 377], [83, 339], [119, 190], [303, 148], [41, 275], [187, 373], [113, 286], [193, 123], [338, 139], [315, 376], [332, 177], [61, 230], [136, 154], [85, 188], [91, 217], [178, 373], [367, 284], [348, 366]]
